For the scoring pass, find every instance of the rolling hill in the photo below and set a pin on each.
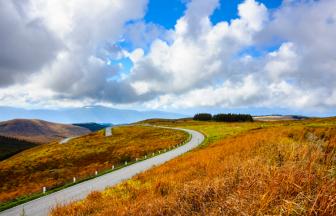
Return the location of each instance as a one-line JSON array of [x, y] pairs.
[[38, 131], [10, 146], [55, 164], [255, 168]]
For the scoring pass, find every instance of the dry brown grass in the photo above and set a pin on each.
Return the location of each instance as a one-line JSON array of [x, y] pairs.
[[280, 170], [55, 164], [39, 131]]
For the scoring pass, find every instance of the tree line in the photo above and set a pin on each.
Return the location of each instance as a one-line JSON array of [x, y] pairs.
[[229, 117], [10, 146]]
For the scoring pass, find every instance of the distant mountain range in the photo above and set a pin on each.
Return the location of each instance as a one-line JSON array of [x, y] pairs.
[[38, 131], [97, 114]]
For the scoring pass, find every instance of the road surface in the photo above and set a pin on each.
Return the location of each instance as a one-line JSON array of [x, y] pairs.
[[66, 140], [42, 206]]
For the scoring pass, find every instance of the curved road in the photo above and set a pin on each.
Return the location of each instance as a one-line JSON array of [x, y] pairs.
[[108, 132], [41, 206]]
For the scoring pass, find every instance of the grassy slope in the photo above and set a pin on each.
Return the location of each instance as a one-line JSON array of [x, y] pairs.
[[54, 164], [245, 169], [39, 131], [10, 146]]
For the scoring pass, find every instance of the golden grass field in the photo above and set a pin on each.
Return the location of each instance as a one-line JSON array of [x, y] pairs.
[[273, 168], [55, 164]]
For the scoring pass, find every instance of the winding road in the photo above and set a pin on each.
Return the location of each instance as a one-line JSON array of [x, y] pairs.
[[42, 206]]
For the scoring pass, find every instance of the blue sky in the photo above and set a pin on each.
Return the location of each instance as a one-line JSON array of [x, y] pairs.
[[263, 59], [166, 12]]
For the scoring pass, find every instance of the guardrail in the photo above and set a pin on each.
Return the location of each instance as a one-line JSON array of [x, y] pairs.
[[75, 180]]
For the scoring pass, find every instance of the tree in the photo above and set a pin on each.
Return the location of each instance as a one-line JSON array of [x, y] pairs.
[[203, 117], [232, 117]]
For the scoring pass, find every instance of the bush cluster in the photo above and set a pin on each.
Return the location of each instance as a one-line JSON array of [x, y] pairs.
[[230, 117], [203, 117]]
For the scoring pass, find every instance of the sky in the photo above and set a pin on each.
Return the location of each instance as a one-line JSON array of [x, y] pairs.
[[261, 57]]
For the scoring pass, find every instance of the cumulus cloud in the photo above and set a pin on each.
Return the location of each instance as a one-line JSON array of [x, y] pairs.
[[63, 45], [26, 43], [86, 27], [197, 59], [279, 58], [209, 67]]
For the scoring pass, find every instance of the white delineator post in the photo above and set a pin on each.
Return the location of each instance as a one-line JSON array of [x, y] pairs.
[[96, 173], [44, 190], [74, 179], [112, 167]]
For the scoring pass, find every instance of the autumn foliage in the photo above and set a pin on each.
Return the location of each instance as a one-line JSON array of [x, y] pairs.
[[55, 164], [270, 169]]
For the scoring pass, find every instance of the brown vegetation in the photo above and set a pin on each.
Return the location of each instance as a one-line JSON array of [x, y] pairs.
[[38, 131], [54, 164], [286, 168]]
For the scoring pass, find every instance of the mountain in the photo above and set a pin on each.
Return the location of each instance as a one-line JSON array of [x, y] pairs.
[[85, 114], [38, 131]]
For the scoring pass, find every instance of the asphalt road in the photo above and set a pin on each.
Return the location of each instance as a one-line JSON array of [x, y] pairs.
[[66, 140], [41, 206]]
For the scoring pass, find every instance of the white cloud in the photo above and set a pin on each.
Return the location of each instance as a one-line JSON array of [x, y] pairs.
[[196, 59], [136, 55], [26, 43], [201, 66], [84, 28], [282, 63], [196, 64], [228, 94]]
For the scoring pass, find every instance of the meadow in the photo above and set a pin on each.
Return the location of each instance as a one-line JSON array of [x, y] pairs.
[[259, 168], [55, 164]]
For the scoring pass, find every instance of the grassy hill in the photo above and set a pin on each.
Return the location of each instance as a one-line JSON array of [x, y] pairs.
[[260, 168], [10, 146], [55, 164], [38, 131]]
